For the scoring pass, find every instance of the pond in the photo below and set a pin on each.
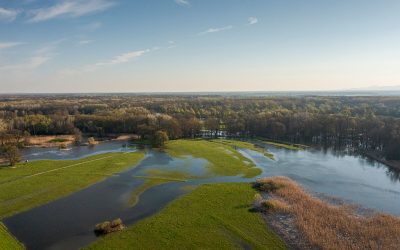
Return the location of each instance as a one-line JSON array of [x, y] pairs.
[[68, 223]]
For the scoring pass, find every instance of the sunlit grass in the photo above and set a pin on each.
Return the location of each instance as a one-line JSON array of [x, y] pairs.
[[246, 145], [156, 177], [285, 145], [223, 159], [214, 216], [7, 241], [39, 182]]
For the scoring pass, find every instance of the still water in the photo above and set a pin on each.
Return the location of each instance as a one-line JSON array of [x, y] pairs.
[[68, 223]]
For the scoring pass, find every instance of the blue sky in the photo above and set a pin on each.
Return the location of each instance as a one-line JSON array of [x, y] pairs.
[[197, 45]]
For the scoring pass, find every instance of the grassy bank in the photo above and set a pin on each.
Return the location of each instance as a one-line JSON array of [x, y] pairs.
[[222, 156], [156, 177], [223, 159], [327, 226], [246, 145], [7, 241], [214, 216], [284, 145], [39, 182]]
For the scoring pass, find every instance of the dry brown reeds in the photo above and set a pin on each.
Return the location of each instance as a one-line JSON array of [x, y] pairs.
[[327, 226]]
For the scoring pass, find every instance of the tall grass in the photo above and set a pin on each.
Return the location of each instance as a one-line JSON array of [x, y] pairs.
[[327, 226]]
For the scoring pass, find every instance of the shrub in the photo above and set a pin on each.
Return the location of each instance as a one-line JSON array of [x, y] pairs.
[[107, 227], [267, 185], [91, 141]]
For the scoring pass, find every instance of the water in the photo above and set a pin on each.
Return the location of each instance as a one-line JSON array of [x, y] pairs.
[[68, 223], [73, 153], [352, 178]]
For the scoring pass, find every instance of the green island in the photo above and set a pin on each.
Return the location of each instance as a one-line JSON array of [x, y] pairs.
[[213, 216], [223, 159], [38, 182], [284, 145]]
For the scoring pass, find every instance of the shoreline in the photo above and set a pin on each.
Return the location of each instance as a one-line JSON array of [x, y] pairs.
[[390, 164]]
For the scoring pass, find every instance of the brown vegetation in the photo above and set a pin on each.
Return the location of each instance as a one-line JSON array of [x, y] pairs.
[[109, 227], [327, 226], [49, 141]]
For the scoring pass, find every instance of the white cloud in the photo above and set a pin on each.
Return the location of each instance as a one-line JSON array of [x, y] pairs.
[[70, 8], [8, 15], [9, 45], [84, 42], [30, 64], [123, 58], [182, 2], [215, 30], [252, 20]]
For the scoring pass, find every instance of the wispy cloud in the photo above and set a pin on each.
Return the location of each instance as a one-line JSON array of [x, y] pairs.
[[9, 45], [215, 30], [123, 58], [39, 57], [30, 64], [84, 42], [70, 8], [8, 15], [182, 2], [252, 20]]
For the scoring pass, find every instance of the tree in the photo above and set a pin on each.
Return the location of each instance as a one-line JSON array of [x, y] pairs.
[[160, 138], [213, 125], [3, 125], [77, 136], [11, 153], [91, 141]]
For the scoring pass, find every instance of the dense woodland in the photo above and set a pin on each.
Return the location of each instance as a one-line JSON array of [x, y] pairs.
[[366, 124]]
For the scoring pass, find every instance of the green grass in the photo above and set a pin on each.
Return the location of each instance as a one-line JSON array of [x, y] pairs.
[[39, 182], [246, 145], [285, 145], [156, 177], [223, 159], [213, 216], [7, 241]]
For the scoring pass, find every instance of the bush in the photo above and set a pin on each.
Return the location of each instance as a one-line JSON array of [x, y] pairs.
[[91, 141], [268, 186], [109, 227]]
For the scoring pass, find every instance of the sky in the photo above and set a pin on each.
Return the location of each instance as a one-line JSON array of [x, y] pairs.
[[71, 46]]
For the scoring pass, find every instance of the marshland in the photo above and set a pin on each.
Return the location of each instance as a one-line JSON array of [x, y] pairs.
[[199, 124], [190, 175]]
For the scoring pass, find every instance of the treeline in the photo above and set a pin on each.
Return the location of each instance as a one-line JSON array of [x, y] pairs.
[[362, 123]]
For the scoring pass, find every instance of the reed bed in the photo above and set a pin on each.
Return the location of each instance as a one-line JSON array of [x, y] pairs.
[[327, 226]]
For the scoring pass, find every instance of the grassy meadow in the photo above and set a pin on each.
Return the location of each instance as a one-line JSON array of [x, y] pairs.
[[38, 182], [223, 159], [7, 241], [213, 216]]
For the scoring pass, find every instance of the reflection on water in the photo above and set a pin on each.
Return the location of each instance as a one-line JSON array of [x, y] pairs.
[[73, 153], [352, 178], [68, 223]]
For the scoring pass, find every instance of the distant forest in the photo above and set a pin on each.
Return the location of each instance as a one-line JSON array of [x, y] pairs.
[[368, 124]]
